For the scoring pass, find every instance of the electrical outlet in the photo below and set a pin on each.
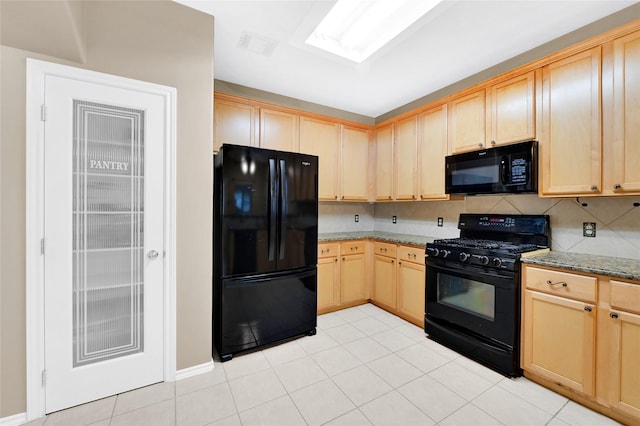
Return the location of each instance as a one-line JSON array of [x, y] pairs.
[[588, 229], [440, 221], [357, 218], [394, 219]]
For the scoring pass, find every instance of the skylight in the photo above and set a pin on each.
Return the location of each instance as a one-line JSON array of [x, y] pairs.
[[355, 29]]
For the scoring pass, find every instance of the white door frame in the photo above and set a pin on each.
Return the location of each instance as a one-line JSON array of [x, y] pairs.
[[36, 73]]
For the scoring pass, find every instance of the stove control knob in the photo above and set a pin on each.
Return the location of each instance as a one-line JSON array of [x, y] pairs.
[[445, 253], [434, 251], [484, 260], [464, 257], [497, 262]]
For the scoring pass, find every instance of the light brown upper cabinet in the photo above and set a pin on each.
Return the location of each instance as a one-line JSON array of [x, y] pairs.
[[355, 164], [511, 107], [432, 148], [405, 159], [571, 141], [322, 138], [278, 130], [234, 123], [384, 163], [467, 122], [621, 156]]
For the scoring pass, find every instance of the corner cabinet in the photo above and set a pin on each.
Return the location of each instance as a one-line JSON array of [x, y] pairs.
[[581, 338], [571, 141]]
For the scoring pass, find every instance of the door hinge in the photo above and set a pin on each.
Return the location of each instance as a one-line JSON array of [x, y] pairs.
[[43, 112], [41, 245], [44, 378]]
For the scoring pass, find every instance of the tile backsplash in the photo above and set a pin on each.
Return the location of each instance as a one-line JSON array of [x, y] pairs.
[[617, 219]]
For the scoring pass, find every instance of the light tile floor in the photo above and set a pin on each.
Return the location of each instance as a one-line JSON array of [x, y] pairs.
[[364, 367]]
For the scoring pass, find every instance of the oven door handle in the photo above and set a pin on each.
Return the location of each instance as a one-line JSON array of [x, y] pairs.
[[472, 271]]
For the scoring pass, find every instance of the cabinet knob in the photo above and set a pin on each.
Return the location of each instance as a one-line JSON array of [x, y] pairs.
[[480, 144], [336, 197], [389, 196], [342, 197], [413, 196], [617, 186], [335, 260], [493, 143], [613, 315], [588, 308], [594, 187]]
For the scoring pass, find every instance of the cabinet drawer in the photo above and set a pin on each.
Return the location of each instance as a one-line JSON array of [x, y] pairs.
[[384, 249], [327, 250], [411, 254], [572, 286], [352, 247], [625, 296]]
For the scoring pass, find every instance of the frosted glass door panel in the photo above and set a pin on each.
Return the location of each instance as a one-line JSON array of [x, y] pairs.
[[108, 232]]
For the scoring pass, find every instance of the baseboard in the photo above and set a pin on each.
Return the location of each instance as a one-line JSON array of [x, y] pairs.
[[194, 371], [15, 420]]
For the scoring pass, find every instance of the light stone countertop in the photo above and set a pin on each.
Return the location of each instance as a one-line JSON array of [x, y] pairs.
[[407, 239], [602, 265]]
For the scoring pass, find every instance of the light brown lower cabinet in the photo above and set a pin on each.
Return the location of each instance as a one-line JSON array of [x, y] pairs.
[[328, 277], [411, 284], [581, 338], [384, 275], [342, 275]]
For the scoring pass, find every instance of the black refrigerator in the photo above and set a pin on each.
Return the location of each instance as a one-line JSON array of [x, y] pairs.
[[265, 244]]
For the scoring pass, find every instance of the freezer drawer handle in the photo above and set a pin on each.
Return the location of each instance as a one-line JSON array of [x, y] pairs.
[[152, 254]]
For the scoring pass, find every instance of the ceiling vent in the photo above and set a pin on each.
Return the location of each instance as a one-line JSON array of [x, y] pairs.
[[256, 43]]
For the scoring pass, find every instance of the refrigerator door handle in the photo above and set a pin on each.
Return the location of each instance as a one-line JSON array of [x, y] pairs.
[[273, 208], [284, 195]]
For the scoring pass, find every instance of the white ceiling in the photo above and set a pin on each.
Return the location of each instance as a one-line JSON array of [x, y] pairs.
[[455, 40]]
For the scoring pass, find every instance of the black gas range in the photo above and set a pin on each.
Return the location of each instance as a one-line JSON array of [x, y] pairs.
[[472, 292]]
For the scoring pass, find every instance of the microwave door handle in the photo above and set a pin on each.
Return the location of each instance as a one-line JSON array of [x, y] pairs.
[[503, 171]]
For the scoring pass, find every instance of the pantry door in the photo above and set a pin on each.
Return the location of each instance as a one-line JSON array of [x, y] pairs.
[[103, 240]]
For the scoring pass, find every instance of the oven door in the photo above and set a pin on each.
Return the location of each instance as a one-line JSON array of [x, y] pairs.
[[481, 302]]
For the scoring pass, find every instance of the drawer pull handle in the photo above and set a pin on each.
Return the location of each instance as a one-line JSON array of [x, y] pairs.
[[613, 315], [588, 308], [564, 284]]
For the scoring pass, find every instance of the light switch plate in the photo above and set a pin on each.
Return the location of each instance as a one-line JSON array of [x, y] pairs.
[[588, 229]]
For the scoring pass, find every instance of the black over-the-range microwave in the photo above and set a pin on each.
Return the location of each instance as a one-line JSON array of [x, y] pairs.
[[504, 169]]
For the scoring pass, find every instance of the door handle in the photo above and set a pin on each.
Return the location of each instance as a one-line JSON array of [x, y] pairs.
[[152, 254]]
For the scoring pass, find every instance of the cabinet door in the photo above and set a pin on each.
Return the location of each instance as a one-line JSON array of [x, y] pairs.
[[278, 130], [355, 164], [571, 139], [384, 163], [558, 340], [625, 367], [352, 279], [384, 280], [432, 146], [328, 284], [467, 122], [405, 159], [321, 138], [233, 123], [622, 166], [512, 110], [411, 287]]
